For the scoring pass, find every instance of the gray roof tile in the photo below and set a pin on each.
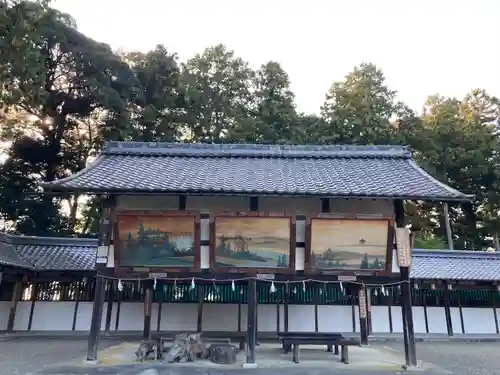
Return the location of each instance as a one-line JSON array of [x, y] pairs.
[[455, 265], [335, 171], [50, 253], [9, 255]]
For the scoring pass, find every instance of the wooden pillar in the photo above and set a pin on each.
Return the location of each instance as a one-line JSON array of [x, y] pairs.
[[251, 323], [34, 295], [16, 296], [201, 298], [95, 323], [109, 310], [369, 310], [363, 325], [447, 223], [406, 310], [148, 307], [447, 310]]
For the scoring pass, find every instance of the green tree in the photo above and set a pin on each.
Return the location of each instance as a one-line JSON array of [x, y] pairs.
[[57, 79], [361, 109], [457, 143], [217, 94], [274, 109]]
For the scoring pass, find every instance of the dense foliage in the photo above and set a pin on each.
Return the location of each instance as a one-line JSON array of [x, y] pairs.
[[62, 94]]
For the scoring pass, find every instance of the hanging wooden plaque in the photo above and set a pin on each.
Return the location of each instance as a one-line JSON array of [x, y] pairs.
[[403, 247]]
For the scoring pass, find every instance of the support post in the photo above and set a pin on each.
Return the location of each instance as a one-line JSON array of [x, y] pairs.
[[447, 310], [363, 325], [447, 223], [251, 323], [109, 310], [406, 310], [16, 296], [95, 323], [369, 310], [148, 307]]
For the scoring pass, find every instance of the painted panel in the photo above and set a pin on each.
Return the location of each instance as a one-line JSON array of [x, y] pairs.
[[262, 242], [348, 244], [157, 240]]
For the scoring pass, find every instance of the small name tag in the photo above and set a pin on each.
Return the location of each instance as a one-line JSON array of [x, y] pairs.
[[266, 276], [158, 275]]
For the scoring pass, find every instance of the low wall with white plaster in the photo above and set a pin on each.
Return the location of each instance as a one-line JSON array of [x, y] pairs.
[[61, 316]]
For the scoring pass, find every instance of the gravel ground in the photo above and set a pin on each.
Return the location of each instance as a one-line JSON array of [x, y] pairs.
[[461, 358], [23, 356]]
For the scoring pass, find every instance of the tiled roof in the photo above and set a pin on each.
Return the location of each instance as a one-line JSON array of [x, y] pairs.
[[333, 171], [455, 265], [48, 253], [9, 255]]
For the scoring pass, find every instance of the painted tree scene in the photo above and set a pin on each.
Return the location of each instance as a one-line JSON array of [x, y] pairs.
[[157, 241], [349, 244], [262, 242]]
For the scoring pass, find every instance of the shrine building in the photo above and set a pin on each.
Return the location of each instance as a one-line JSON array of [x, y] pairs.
[[273, 238]]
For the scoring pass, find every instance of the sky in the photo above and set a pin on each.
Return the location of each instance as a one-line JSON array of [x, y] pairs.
[[424, 47]]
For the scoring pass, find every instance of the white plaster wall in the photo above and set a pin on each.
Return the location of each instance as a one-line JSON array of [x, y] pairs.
[[436, 319], [179, 317], [334, 319], [52, 316], [455, 320], [4, 314], [58, 316], [23, 316], [380, 319], [479, 320], [219, 317], [397, 320]]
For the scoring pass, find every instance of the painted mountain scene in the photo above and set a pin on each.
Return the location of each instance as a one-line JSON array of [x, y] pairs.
[[157, 241], [262, 242], [349, 244]]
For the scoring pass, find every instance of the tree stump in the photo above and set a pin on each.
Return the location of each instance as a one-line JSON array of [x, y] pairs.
[[186, 347], [148, 349], [223, 353]]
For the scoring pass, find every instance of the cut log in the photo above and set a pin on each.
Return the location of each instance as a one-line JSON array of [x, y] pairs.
[[223, 353]]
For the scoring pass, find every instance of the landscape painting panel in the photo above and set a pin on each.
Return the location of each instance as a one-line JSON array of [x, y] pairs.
[[252, 242], [157, 241], [349, 244]]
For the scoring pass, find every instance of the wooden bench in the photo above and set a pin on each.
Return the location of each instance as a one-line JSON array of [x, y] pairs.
[[330, 335], [329, 341]]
